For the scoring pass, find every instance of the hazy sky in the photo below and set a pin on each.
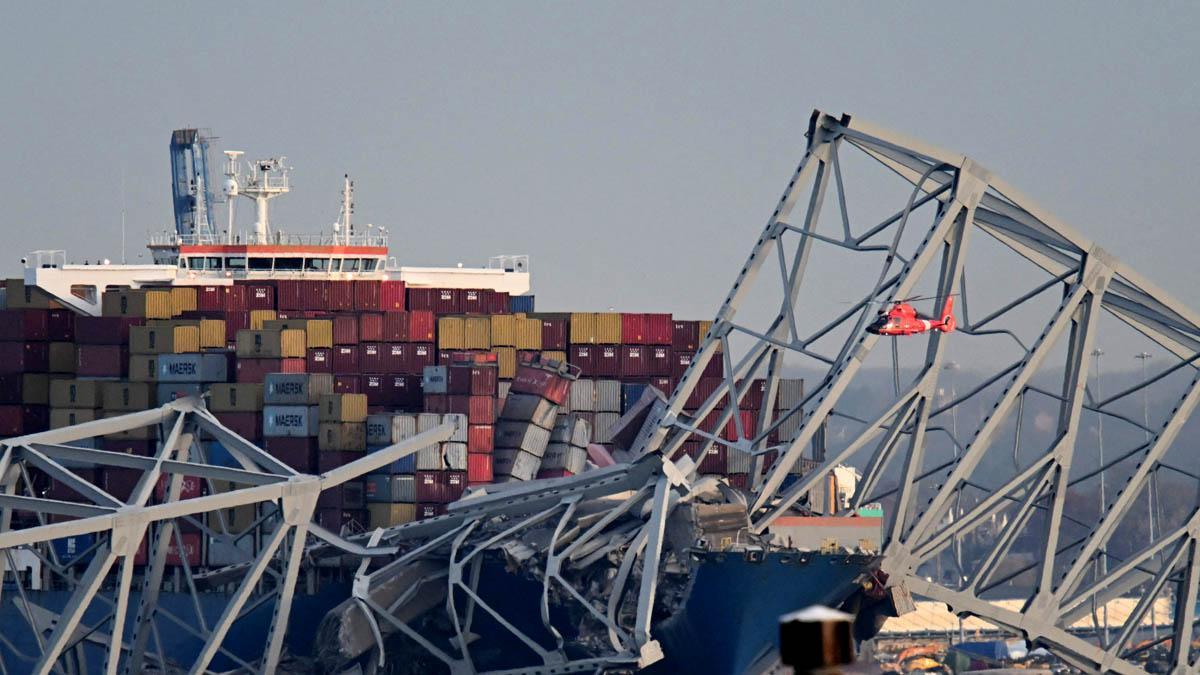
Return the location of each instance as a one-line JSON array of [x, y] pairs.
[[634, 150]]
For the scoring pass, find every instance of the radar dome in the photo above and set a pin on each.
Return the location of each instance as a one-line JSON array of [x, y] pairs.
[[230, 187]]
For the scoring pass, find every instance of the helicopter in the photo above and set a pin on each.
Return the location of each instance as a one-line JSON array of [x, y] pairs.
[[902, 319]]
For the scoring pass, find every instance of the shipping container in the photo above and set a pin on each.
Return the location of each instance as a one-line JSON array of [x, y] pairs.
[[76, 393], [346, 359], [633, 329], [183, 299], [28, 388], [290, 420], [370, 326], [300, 453], [554, 333], [685, 336], [228, 397], [549, 385], [602, 427], [236, 298], [475, 301], [296, 388], [61, 357], [260, 317], [582, 397], [272, 344], [520, 303], [24, 325], [504, 330], [254, 370], [521, 436], [156, 339], [318, 332], [395, 326], [430, 486], [319, 360], [515, 464], [245, 423], [391, 515], [341, 296], [343, 408], [583, 328], [126, 396], [498, 302], [608, 396], [260, 295], [455, 456], [421, 326], [66, 417], [192, 368], [158, 304], [17, 420], [452, 332], [447, 301], [24, 357], [389, 488], [345, 330], [405, 391], [343, 436], [104, 330], [479, 468], [606, 361], [506, 362], [634, 363], [481, 409]]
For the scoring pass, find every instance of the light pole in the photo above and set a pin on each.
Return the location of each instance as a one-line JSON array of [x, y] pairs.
[[1142, 356], [951, 367], [1096, 354]]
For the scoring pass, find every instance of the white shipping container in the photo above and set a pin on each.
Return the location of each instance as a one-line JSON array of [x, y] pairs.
[[390, 489], [522, 436], [434, 379], [608, 396], [571, 429], [564, 456], [460, 426], [515, 465], [455, 456], [427, 421], [430, 459], [529, 408], [791, 391], [737, 461], [389, 428], [224, 550], [296, 421], [192, 368], [583, 396], [603, 429]]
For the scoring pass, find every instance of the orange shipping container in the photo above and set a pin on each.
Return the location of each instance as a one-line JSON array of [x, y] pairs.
[[186, 339], [212, 333]]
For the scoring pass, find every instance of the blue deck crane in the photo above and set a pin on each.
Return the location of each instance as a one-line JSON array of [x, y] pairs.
[[191, 194]]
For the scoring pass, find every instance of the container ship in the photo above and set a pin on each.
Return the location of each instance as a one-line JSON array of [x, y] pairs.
[[320, 349]]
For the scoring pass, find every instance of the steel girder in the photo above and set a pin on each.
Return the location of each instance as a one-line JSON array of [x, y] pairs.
[[942, 488], [284, 502]]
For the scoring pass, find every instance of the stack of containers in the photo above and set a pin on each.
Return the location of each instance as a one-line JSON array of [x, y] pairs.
[[523, 433], [264, 351], [441, 475], [342, 438], [120, 398], [566, 455], [25, 349], [290, 417], [390, 492], [75, 401], [239, 407]]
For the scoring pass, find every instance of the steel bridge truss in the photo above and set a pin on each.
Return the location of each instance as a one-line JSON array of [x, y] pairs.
[[944, 486], [131, 640]]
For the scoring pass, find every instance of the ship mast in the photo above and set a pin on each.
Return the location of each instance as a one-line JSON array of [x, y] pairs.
[[344, 222]]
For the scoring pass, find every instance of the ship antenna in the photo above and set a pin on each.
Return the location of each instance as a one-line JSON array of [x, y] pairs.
[[347, 226]]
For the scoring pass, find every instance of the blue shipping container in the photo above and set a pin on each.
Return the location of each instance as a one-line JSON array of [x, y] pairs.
[[193, 368], [71, 550], [630, 393], [520, 303], [402, 465]]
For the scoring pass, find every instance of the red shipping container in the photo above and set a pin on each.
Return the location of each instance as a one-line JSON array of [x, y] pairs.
[[60, 325], [606, 360], [405, 391], [498, 302], [189, 488], [377, 393], [104, 330], [484, 380], [548, 385], [346, 359], [327, 460], [633, 329], [459, 405], [685, 336], [17, 420], [419, 356], [345, 329], [420, 299], [341, 296], [395, 327], [254, 370], [289, 295], [190, 551], [430, 487], [662, 384], [236, 298], [395, 358], [24, 357], [319, 360], [101, 360], [210, 298], [581, 356], [634, 363], [314, 295], [479, 468], [391, 296], [713, 461], [260, 295], [475, 301], [436, 403], [458, 377], [658, 361], [447, 357], [660, 329], [347, 383], [370, 327], [295, 365], [235, 321], [24, 324], [455, 484], [680, 361], [371, 358], [554, 334], [700, 393], [447, 301], [749, 425], [366, 295], [299, 453], [430, 511], [480, 438], [753, 398], [480, 410], [421, 326], [248, 425]]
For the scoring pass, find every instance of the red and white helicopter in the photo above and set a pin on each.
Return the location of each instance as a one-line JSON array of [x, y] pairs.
[[902, 319]]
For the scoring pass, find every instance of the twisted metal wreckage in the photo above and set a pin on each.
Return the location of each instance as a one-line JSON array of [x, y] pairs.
[[606, 543]]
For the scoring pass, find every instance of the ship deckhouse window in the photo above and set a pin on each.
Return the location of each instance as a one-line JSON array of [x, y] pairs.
[[238, 263], [214, 263], [335, 264], [316, 264], [368, 264], [350, 265], [263, 263], [289, 264], [183, 263]]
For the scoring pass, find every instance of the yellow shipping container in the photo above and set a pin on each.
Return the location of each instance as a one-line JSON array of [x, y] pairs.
[[608, 328], [158, 304], [387, 515], [259, 317], [20, 296], [504, 330], [583, 328], [704, 327], [529, 333], [212, 333], [452, 332], [506, 362], [66, 417], [186, 339], [183, 299], [292, 344], [561, 357], [319, 332], [117, 303], [478, 332], [343, 408]]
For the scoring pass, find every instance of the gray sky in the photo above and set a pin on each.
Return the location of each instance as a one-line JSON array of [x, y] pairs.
[[634, 150]]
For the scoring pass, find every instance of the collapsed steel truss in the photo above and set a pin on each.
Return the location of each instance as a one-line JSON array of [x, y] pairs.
[[269, 576], [936, 499]]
